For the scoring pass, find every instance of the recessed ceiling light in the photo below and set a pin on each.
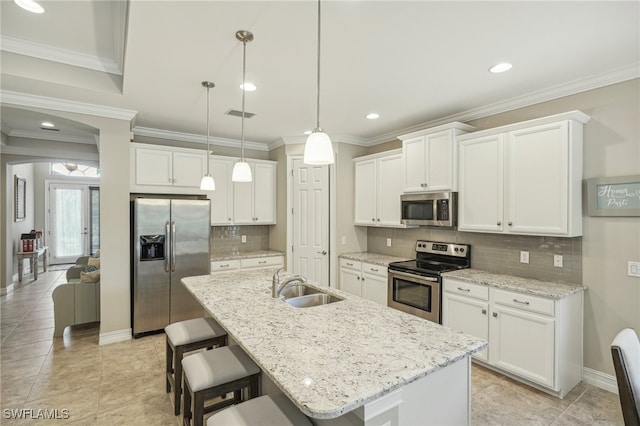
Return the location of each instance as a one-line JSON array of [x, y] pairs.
[[373, 116], [47, 124], [29, 5], [501, 67], [248, 86], [307, 132]]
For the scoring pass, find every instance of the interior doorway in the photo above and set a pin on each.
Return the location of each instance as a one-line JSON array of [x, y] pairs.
[[73, 219]]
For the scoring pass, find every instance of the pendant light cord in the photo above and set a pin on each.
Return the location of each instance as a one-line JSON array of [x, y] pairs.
[[244, 89], [208, 130], [318, 76]]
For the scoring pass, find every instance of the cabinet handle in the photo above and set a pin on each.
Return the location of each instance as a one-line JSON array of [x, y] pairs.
[[349, 264], [499, 223], [495, 315], [373, 269], [484, 312], [264, 261], [521, 302], [224, 266], [464, 289]]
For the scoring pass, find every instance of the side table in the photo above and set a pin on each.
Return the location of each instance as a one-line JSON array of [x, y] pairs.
[[33, 261]]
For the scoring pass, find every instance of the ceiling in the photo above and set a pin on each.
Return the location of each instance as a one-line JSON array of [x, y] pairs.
[[416, 63]]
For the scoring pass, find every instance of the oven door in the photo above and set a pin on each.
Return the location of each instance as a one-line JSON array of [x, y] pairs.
[[415, 294]]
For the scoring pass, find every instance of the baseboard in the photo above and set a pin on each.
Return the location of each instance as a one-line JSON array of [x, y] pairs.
[[600, 380], [6, 290], [114, 336]]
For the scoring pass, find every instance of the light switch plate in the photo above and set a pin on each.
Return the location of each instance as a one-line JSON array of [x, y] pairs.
[[633, 269], [343, 240], [524, 257], [388, 242], [244, 238], [557, 260]]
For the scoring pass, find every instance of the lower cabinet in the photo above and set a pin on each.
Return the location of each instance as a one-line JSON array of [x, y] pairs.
[[247, 263], [363, 279], [532, 338]]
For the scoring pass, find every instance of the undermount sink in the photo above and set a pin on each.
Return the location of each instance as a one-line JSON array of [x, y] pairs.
[[316, 299], [304, 296]]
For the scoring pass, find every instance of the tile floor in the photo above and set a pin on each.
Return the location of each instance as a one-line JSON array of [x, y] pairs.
[[123, 383]]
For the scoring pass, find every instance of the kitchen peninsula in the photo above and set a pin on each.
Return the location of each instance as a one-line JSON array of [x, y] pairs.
[[349, 362]]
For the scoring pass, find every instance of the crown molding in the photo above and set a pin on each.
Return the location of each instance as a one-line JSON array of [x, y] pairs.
[[63, 56], [190, 137], [27, 101], [53, 153], [51, 136]]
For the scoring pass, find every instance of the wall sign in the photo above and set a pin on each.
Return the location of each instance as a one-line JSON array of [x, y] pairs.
[[614, 196]]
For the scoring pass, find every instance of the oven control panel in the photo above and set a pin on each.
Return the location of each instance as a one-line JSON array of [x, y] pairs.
[[449, 249]]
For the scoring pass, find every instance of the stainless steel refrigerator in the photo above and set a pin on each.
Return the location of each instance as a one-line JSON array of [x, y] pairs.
[[170, 241]]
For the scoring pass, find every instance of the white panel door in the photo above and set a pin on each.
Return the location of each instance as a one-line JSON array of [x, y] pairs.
[[537, 179], [365, 191], [439, 161], [390, 187], [222, 197], [415, 155], [264, 193], [188, 169], [154, 167], [311, 221], [480, 197], [68, 222]]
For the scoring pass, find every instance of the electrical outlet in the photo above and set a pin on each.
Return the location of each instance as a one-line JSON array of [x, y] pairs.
[[244, 238], [633, 269], [388, 242], [524, 257], [557, 260], [344, 241]]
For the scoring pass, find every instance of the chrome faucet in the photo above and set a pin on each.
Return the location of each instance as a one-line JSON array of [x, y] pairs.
[[276, 287]]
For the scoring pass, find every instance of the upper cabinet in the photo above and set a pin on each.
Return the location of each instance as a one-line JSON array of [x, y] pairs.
[[222, 198], [166, 167], [524, 178], [430, 158], [378, 185], [255, 202]]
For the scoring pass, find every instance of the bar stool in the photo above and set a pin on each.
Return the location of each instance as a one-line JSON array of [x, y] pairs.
[[267, 410], [215, 373], [187, 336]]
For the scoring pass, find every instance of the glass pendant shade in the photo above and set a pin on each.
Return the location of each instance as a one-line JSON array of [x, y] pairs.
[[241, 172], [318, 149], [207, 183]]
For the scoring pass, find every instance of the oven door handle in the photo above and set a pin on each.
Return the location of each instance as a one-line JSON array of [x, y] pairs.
[[414, 277]]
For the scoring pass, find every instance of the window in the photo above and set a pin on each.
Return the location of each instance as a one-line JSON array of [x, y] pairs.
[[74, 169]]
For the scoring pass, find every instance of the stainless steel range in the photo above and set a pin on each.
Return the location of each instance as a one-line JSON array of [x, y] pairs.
[[415, 286]]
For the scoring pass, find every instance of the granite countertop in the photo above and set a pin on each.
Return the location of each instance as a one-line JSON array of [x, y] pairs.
[[245, 255], [531, 286], [329, 359], [375, 258]]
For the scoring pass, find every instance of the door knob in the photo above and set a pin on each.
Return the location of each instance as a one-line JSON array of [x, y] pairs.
[[323, 252]]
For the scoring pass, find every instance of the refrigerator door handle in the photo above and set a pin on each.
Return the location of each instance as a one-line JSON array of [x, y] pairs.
[[173, 246], [166, 258]]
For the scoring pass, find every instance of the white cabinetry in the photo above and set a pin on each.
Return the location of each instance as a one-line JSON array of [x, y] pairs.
[[166, 167], [531, 338], [524, 178], [378, 185], [247, 263], [430, 158], [363, 279], [254, 203], [222, 198]]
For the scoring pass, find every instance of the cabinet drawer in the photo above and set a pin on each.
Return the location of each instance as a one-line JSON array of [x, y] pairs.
[[352, 264], [462, 288], [371, 268], [225, 265], [259, 262], [524, 301]]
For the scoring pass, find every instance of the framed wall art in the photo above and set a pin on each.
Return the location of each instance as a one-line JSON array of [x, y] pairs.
[[20, 198], [613, 196]]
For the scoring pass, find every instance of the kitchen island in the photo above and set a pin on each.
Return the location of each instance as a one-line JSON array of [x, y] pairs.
[[349, 362]]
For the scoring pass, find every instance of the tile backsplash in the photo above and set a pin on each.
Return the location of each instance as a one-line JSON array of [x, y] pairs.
[[492, 252], [227, 240]]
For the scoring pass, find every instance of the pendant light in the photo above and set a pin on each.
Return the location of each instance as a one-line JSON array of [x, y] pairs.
[[318, 149], [207, 183], [242, 170]]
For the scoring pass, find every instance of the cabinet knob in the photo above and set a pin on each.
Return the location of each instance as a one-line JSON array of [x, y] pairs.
[[510, 223], [358, 278], [229, 219], [362, 278], [373, 219], [495, 315], [378, 219], [499, 223], [484, 312]]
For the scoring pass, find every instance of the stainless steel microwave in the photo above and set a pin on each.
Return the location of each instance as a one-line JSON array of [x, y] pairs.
[[430, 209]]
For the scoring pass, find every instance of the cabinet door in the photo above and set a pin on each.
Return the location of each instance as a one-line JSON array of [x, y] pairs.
[[439, 161], [467, 315], [365, 189], [523, 343], [222, 197], [243, 201], [154, 167], [188, 169], [375, 286], [390, 185], [350, 281], [537, 180], [480, 198], [415, 154], [264, 193]]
